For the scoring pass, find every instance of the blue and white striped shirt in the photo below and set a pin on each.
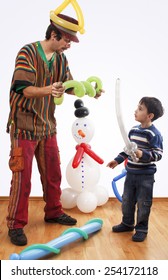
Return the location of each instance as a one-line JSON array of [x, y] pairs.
[[150, 141]]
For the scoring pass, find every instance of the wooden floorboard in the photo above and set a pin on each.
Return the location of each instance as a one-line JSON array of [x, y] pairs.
[[103, 245]]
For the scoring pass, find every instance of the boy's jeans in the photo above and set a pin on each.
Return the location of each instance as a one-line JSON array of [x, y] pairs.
[[138, 189]]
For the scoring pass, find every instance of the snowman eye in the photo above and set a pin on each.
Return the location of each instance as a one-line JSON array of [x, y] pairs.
[[77, 124], [85, 124]]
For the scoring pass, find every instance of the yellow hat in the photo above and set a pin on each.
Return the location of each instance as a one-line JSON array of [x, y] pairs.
[[68, 33], [68, 25]]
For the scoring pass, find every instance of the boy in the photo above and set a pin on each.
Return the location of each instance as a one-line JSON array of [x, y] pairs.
[[138, 186]]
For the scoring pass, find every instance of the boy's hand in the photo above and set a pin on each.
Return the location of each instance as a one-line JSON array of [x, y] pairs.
[[112, 164], [139, 153]]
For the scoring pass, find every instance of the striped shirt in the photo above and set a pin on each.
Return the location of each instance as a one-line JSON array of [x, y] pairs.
[[150, 141], [33, 118]]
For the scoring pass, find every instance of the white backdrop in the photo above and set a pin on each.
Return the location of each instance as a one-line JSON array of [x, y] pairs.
[[123, 39]]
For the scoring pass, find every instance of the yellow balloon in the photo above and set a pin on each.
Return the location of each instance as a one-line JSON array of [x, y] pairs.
[[64, 23], [62, 7], [79, 16]]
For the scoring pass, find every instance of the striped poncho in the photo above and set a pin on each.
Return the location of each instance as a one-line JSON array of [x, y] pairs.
[[33, 118], [150, 141]]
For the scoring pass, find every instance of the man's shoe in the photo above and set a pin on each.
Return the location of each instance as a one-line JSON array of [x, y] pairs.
[[63, 219], [139, 236], [122, 228], [17, 236]]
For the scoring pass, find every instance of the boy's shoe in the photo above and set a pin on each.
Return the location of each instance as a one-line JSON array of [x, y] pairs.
[[139, 236], [63, 219], [17, 236], [122, 228]]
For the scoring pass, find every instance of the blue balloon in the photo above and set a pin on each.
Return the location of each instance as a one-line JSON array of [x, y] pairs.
[[114, 186], [37, 251]]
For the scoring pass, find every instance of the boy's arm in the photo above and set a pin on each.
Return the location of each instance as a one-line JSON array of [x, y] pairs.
[[154, 153], [119, 159]]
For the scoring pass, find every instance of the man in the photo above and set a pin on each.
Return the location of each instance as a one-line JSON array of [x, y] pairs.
[[40, 70]]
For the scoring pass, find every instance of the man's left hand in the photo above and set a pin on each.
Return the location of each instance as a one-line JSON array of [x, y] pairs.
[[98, 94]]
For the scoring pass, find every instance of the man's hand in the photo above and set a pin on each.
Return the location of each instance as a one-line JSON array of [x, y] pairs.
[[57, 89], [98, 94]]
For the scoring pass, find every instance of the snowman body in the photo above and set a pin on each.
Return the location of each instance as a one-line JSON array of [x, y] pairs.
[[86, 176], [83, 179]]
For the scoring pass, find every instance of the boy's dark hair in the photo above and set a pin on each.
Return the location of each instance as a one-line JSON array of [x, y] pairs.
[[49, 30], [153, 105]]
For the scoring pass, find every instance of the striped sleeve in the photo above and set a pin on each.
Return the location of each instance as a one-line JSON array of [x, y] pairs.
[[154, 153], [121, 157], [25, 70]]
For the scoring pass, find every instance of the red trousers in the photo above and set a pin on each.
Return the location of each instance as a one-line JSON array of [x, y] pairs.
[[47, 155]]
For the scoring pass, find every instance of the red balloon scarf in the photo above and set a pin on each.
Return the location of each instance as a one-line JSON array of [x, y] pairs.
[[81, 149]]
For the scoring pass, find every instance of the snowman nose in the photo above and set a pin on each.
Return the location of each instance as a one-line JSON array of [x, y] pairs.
[[81, 133]]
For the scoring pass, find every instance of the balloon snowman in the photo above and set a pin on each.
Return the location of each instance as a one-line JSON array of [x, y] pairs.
[[83, 170]]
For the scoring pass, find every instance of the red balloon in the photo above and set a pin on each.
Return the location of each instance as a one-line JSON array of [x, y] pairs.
[[81, 149], [92, 154], [125, 162], [78, 156]]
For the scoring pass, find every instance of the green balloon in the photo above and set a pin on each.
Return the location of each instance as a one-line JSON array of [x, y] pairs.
[[58, 100], [98, 82], [79, 88], [89, 89]]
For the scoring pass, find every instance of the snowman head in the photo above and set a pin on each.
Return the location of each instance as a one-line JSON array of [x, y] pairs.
[[82, 128]]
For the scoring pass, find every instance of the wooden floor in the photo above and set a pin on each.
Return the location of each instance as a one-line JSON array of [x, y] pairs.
[[103, 245]]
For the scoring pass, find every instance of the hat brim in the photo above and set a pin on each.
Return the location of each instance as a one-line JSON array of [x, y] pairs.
[[71, 35]]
